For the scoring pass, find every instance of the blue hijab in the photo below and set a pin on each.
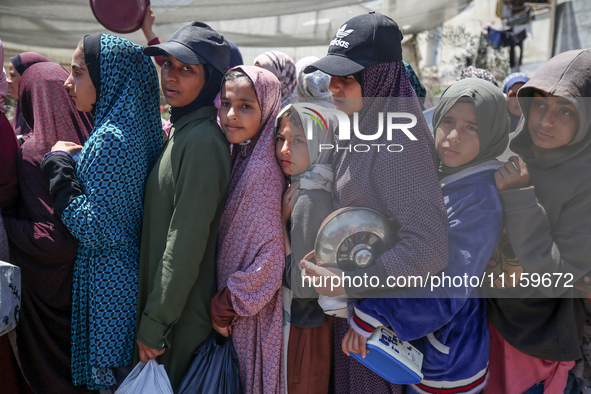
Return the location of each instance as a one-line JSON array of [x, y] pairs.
[[112, 169]]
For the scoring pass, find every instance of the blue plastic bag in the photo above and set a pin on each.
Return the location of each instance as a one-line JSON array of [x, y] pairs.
[[214, 368]]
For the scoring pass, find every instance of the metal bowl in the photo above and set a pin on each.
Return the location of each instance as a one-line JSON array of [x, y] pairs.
[[353, 237]]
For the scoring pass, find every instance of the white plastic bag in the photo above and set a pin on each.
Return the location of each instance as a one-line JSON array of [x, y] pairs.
[[146, 378]]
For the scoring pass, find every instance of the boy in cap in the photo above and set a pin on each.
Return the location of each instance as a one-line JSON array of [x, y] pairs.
[[365, 62], [183, 203], [511, 85]]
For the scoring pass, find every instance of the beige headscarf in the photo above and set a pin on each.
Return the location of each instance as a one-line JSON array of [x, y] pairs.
[[319, 175]]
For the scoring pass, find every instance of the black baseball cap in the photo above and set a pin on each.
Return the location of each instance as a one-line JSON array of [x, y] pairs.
[[361, 42], [196, 43]]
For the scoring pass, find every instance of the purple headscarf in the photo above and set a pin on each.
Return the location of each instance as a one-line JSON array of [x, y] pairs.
[[250, 255], [401, 185]]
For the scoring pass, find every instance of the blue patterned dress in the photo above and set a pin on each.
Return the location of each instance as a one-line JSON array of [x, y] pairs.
[[107, 218]]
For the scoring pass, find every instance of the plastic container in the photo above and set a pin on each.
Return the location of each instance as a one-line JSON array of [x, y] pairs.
[[394, 360]]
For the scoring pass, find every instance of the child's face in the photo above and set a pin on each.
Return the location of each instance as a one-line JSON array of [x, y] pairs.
[[456, 136], [181, 83], [240, 112], [553, 121], [291, 148], [79, 84], [346, 94], [512, 103], [13, 79]]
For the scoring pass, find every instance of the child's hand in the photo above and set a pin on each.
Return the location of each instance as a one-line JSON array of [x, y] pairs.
[[354, 343], [334, 287], [513, 175], [147, 353], [147, 24], [289, 197], [65, 146], [223, 331], [584, 284]]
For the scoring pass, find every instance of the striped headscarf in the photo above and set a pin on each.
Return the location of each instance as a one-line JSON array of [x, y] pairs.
[[283, 67]]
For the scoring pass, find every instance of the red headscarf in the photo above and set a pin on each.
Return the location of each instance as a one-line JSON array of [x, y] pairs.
[[21, 63], [8, 147], [38, 237], [40, 243]]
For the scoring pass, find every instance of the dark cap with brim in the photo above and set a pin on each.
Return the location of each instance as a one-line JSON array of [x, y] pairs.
[[180, 52], [196, 43], [361, 42], [335, 65]]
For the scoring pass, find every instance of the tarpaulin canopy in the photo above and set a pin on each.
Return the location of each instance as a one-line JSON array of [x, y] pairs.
[[257, 23]]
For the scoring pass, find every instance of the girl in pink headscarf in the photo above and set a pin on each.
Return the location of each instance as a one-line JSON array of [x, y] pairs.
[[250, 260]]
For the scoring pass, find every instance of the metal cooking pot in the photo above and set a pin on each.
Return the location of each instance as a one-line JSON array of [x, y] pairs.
[[353, 237]]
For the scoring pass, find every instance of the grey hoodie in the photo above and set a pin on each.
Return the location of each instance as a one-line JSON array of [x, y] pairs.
[[549, 222]]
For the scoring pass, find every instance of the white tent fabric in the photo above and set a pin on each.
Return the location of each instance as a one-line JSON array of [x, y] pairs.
[[255, 23]]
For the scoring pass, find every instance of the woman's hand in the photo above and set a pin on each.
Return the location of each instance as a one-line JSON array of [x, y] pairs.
[[354, 343], [65, 146], [223, 331], [289, 198], [513, 175], [147, 353], [332, 277]]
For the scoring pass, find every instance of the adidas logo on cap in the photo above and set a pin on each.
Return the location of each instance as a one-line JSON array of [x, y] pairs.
[[341, 33]]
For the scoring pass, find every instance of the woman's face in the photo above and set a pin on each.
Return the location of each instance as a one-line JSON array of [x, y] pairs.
[[553, 121], [240, 112], [13, 79], [79, 84], [346, 94], [456, 136], [181, 83], [291, 148]]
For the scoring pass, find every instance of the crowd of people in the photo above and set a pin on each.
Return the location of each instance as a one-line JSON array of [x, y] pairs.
[[137, 237]]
